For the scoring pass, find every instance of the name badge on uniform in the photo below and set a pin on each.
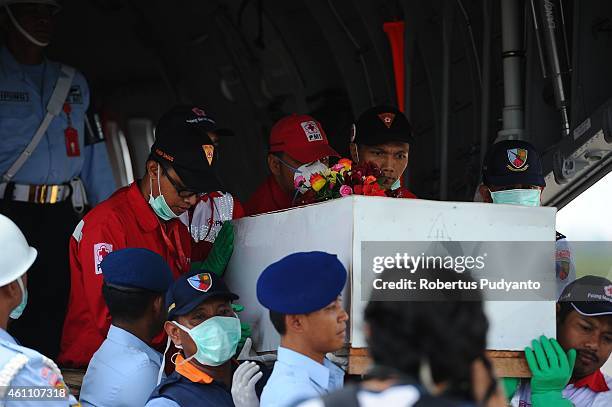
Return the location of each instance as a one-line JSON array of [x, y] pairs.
[[71, 135]]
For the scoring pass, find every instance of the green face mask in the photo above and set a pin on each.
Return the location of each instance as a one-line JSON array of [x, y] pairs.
[[159, 204], [216, 339], [396, 185], [524, 197], [18, 310]]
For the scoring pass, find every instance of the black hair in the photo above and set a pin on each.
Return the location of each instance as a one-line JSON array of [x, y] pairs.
[[278, 320], [128, 306], [450, 334], [565, 307]]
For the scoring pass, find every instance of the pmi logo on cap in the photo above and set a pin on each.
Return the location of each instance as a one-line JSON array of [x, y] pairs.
[[518, 159], [312, 131], [201, 282]]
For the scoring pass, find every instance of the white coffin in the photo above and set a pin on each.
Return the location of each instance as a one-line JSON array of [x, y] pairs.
[[339, 227]]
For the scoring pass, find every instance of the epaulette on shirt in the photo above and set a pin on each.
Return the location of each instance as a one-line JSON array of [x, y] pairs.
[[20, 357]]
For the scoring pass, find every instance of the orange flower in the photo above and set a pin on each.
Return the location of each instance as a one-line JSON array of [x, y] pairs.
[[370, 179], [346, 163], [317, 182]]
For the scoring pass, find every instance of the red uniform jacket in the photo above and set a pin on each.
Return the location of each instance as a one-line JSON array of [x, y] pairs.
[[124, 220], [267, 198]]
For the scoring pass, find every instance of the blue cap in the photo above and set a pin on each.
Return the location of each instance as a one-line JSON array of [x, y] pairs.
[[301, 283], [512, 162], [136, 268], [191, 290]]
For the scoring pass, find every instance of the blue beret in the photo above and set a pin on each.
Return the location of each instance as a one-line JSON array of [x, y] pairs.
[[191, 290], [136, 268], [301, 283]]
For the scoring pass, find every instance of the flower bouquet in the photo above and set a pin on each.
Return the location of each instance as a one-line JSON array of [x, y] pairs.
[[341, 180]]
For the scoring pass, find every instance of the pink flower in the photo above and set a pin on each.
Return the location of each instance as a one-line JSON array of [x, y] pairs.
[[298, 181], [337, 167], [345, 190]]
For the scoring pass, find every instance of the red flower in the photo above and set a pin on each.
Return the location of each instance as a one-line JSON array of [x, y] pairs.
[[370, 179], [358, 189], [373, 190]]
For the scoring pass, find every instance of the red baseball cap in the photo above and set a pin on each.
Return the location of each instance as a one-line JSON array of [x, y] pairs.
[[302, 137]]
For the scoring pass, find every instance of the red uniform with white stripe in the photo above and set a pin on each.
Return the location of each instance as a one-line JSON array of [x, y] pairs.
[[124, 220]]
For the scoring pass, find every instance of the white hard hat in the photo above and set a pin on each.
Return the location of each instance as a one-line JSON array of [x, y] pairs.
[[16, 256], [53, 3]]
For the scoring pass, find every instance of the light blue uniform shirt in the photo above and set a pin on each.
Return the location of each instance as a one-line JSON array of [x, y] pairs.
[[123, 372], [162, 402], [296, 377], [37, 374], [23, 105]]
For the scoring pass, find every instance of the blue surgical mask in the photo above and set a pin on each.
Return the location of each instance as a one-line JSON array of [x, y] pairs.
[[396, 185], [524, 197], [18, 310], [159, 204], [216, 339]]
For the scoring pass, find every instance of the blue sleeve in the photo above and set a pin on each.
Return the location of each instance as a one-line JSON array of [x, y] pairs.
[[136, 389], [97, 174], [162, 402], [38, 374]]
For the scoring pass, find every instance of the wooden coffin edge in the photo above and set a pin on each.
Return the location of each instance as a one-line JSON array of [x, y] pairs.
[[506, 363]]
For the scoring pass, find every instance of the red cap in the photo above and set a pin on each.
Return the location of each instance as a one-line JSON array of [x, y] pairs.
[[302, 137]]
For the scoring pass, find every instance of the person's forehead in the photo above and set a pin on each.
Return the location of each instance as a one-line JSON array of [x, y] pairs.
[[211, 304], [392, 146], [602, 321]]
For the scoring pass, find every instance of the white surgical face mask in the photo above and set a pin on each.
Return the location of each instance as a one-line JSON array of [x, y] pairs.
[[307, 170]]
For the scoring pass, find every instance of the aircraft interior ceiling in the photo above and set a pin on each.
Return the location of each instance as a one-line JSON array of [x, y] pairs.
[[249, 62]]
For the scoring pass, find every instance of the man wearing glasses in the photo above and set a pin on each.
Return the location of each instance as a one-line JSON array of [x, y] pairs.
[[143, 215]]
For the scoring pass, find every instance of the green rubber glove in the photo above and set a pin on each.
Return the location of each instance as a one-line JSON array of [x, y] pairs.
[[510, 386], [221, 251], [551, 370], [245, 329]]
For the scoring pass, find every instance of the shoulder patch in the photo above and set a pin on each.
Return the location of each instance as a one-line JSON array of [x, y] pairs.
[[101, 250]]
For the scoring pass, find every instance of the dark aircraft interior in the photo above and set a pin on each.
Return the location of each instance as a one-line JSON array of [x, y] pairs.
[[469, 72]]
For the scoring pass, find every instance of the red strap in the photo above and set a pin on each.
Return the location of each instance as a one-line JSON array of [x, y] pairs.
[[210, 195], [176, 248]]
